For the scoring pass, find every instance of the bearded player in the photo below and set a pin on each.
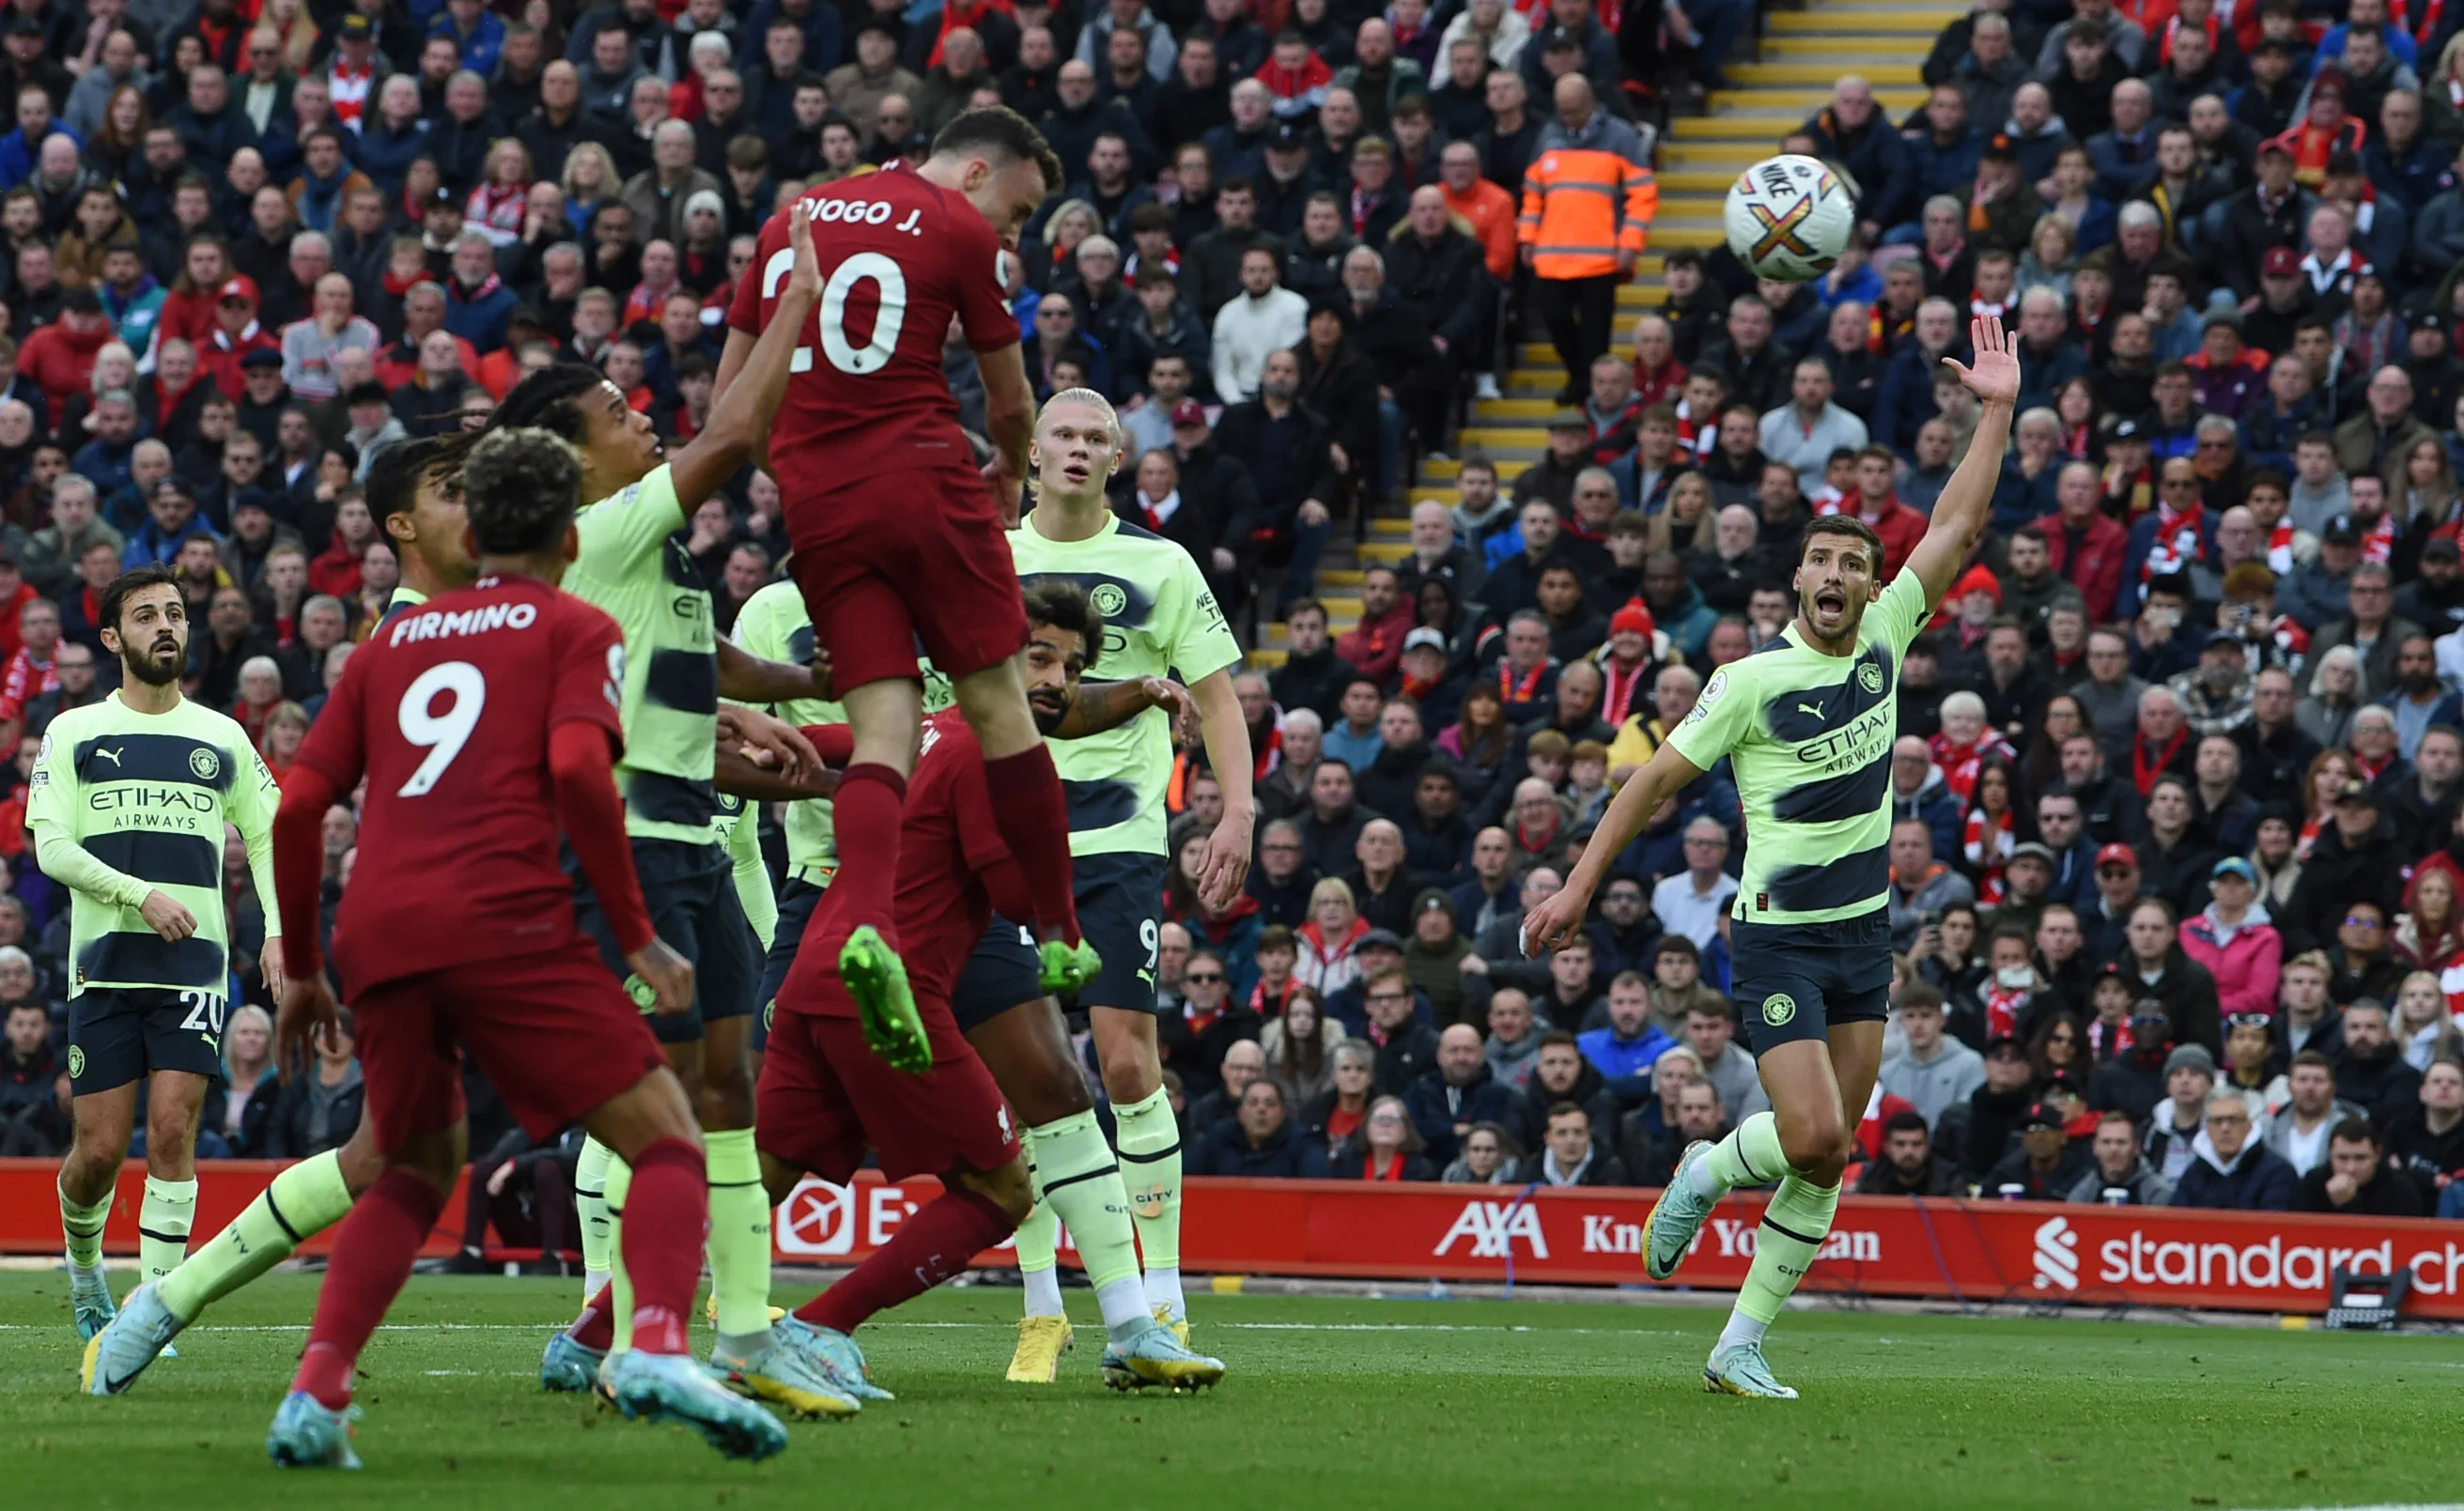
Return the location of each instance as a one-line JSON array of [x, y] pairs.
[[824, 1099], [415, 487], [127, 804], [485, 725], [1807, 724], [896, 542], [1158, 616], [633, 563]]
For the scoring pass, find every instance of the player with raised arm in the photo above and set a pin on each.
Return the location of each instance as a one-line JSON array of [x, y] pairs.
[[415, 487], [127, 804], [825, 1098], [484, 724], [634, 564], [896, 540], [1158, 616], [1807, 724]]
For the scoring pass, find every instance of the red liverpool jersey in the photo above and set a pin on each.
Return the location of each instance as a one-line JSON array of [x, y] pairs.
[[899, 257], [946, 840], [447, 710]]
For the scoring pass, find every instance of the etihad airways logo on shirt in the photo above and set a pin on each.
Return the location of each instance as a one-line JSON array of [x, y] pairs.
[[1875, 725]]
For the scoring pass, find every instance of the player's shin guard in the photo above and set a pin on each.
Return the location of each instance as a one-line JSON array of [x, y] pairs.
[[372, 1256], [865, 814], [1792, 1229], [82, 1231], [1038, 1246], [926, 1249], [1149, 1139], [162, 1224], [740, 1240], [1749, 1156], [590, 1202], [1034, 823], [661, 1253], [1081, 1185], [304, 1200], [620, 1278]]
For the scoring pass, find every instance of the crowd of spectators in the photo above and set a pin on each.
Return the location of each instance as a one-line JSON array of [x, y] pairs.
[[2176, 852]]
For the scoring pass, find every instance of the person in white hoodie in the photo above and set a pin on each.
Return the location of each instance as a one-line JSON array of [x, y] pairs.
[[1266, 318]]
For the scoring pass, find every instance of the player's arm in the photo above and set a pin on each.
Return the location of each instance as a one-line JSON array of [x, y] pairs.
[[1560, 918], [1227, 752], [1966, 500], [731, 359], [748, 678], [1010, 414], [788, 753], [253, 818], [745, 407], [1102, 706], [740, 776], [753, 890], [51, 814]]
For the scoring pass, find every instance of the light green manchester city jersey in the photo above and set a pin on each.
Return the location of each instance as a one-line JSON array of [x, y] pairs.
[[773, 625], [633, 564], [1809, 738], [145, 797], [1159, 618]]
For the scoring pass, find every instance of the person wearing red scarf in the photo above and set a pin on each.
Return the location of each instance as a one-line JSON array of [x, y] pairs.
[[2324, 131], [1626, 662], [1375, 646], [2162, 743]]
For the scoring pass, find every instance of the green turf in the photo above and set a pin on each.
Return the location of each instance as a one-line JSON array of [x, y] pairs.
[[1337, 1404]]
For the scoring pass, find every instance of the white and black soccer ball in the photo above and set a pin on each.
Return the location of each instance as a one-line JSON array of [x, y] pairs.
[[1790, 217]]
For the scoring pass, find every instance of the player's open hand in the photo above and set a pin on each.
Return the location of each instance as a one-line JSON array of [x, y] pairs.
[[670, 974], [302, 1013], [1994, 378], [1554, 923], [783, 745], [1227, 863], [269, 965], [165, 916], [804, 280], [1174, 700]]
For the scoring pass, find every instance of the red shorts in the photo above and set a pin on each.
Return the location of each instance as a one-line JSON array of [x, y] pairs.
[[552, 1031], [825, 1098], [905, 556]]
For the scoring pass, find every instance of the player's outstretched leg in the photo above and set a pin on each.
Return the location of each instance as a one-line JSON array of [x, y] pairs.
[[304, 1200], [657, 1377], [1082, 1184], [974, 1212], [1750, 1155], [372, 1256], [759, 1356]]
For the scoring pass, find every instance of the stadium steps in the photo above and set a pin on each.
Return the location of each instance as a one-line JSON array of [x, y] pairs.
[[1803, 53]]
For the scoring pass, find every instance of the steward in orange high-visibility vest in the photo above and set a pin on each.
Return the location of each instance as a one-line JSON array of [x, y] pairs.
[[1586, 196]]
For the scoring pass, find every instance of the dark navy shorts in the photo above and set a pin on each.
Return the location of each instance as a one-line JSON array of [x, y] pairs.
[[122, 1034], [690, 891], [1003, 971], [797, 900], [1795, 981], [1120, 912]]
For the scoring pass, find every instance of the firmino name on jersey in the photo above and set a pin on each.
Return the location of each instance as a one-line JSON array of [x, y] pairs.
[[436, 625], [1852, 749]]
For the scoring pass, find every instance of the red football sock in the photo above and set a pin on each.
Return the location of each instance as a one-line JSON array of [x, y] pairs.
[[928, 1248], [666, 1217], [372, 1256], [865, 814], [596, 1327], [1034, 821]]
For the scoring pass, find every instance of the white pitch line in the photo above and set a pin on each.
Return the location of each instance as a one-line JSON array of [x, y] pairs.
[[1244, 1327]]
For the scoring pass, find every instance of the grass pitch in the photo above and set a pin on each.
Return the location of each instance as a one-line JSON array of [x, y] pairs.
[[1330, 1403]]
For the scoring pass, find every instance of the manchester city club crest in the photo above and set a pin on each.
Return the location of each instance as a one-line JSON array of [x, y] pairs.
[[1109, 600], [1778, 1008], [645, 995], [77, 1062], [1869, 676], [204, 763]]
